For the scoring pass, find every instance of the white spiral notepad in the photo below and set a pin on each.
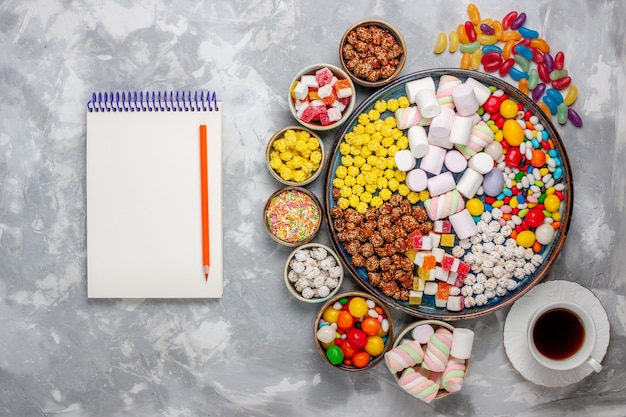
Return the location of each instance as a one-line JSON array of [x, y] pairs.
[[145, 195]]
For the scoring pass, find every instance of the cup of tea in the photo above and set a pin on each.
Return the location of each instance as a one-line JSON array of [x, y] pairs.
[[562, 336]]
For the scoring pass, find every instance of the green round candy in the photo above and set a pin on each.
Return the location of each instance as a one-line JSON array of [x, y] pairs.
[[334, 354]]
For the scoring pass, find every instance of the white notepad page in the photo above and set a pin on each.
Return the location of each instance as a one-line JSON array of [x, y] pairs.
[[144, 221]]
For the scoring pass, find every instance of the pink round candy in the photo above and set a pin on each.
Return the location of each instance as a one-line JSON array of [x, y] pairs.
[[455, 161], [422, 333], [416, 180]]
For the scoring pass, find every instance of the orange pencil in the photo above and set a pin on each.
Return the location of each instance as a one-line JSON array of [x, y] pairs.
[[204, 183]]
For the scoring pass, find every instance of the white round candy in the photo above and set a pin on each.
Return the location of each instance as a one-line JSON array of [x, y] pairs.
[[544, 234], [326, 334]]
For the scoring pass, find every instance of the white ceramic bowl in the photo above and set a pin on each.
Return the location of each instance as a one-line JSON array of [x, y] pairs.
[[316, 124], [321, 264]]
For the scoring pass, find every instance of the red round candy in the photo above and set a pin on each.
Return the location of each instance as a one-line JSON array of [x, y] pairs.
[[513, 157], [357, 338], [349, 350], [492, 104], [535, 217]]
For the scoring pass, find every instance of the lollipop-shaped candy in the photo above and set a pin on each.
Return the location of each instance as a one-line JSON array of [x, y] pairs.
[[418, 385], [438, 350], [403, 356]]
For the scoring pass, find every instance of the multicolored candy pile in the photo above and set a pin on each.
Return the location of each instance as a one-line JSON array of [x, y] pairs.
[[511, 48]]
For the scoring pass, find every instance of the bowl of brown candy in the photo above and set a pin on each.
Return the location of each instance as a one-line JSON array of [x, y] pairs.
[[372, 52]]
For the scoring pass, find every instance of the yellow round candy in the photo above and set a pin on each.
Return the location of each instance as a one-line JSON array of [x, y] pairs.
[[525, 238], [513, 132], [358, 307], [375, 345], [552, 203], [330, 315], [475, 206], [508, 109]]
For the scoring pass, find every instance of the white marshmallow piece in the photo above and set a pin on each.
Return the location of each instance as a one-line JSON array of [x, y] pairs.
[[416, 180], [465, 100], [418, 141], [481, 91], [463, 224], [441, 125], [482, 163], [427, 102], [462, 341], [469, 183], [405, 161], [413, 87], [432, 162], [441, 184], [461, 130]]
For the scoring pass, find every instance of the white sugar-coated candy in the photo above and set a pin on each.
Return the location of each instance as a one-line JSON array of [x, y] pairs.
[[441, 124], [432, 162], [370, 304], [405, 161], [413, 87], [481, 91], [461, 130], [416, 180], [455, 303], [494, 149], [463, 224], [421, 333], [418, 141], [309, 81], [455, 161], [440, 184], [482, 163], [465, 100], [301, 91], [427, 102], [469, 183], [462, 342]]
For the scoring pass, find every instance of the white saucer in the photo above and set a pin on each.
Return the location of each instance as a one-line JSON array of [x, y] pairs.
[[516, 323]]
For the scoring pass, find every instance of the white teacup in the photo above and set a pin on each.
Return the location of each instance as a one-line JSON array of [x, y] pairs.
[[562, 335]]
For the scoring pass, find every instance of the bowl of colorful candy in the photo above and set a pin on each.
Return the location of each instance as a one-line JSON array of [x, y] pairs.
[[430, 358], [372, 52], [448, 194], [292, 216], [321, 97], [295, 155], [353, 330], [313, 273]]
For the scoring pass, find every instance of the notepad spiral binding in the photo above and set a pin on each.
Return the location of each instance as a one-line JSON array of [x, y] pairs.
[[156, 101]]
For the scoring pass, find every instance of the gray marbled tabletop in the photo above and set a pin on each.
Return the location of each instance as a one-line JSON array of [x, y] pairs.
[[251, 352]]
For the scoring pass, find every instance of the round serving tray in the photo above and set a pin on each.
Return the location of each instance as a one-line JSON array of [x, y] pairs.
[[549, 252]]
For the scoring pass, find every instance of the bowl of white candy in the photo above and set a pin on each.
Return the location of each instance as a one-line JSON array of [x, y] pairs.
[[313, 273]]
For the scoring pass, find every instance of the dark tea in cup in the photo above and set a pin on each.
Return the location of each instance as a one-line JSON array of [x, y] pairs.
[[562, 336], [558, 334]]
